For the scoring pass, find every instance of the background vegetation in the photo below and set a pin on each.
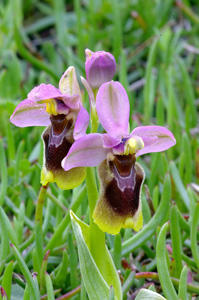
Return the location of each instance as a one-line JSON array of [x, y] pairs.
[[156, 46]]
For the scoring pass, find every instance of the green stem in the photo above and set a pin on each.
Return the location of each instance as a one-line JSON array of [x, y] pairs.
[[94, 126], [38, 224], [91, 190], [40, 203], [94, 119], [66, 220], [152, 275], [94, 116], [70, 294], [97, 237]]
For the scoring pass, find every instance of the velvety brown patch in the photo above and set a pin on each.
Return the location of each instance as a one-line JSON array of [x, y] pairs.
[[59, 122], [123, 163], [123, 191], [58, 139]]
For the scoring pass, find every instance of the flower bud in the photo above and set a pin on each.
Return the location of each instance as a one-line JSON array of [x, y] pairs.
[[100, 67]]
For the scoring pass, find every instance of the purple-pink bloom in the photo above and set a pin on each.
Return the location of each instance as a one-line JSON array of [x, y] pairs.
[[46, 99], [115, 152], [112, 106], [62, 111], [100, 67]]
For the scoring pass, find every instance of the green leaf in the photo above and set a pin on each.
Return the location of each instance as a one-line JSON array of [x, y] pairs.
[[72, 262], [188, 92], [193, 234], [127, 284], [49, 287], [10, 77], [26, 295], [147, 295], [111, 294], [7, 279], [176, 240], [17, 292], [179, 185], [150, 83], [182, 291], [4, 249], [4, 174], [10, 230], [24, 268], [97, 285], [162, 267]]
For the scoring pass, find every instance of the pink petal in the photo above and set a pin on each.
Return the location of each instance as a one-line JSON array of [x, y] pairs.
[[112, 105], [43, 92], [81, 123], [48, 91], [155, 138], [30, 113], [71, 101], [87, 151], [68, 83], [119, 149], [109, 141], [89, 91]]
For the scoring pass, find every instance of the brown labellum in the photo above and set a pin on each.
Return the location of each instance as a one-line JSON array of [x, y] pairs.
[[58, 138], [122, 180]]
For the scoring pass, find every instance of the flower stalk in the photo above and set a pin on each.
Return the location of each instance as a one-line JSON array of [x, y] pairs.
[[40, 204], [97, 237]]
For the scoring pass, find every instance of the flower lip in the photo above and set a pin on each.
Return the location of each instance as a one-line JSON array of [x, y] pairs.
[[124, 163], [58, 139], [119, 204], [59, 123]]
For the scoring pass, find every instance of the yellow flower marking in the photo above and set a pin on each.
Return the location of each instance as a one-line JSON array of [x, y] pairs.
[[133, 144], [51, 106]]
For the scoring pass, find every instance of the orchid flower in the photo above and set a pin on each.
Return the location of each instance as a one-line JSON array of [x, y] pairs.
[[62, 111], [100, 67], [121, 177]]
